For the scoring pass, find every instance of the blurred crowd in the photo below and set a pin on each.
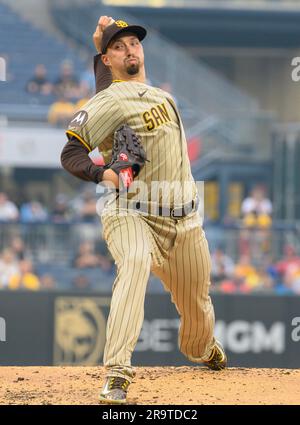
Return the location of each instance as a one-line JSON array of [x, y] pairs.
[[256, 210], [63, 210], [72, 90], [250, 269], [69, 90], [280, 277], [255, 270], [19, 258], [18, 271]]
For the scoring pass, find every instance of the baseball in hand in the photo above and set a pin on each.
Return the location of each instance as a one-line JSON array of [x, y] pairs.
[[103, 22]]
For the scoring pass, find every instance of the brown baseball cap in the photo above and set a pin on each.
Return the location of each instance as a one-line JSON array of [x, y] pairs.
[[111, 31]]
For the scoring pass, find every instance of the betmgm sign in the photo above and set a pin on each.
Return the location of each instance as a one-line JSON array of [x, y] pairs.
[[79, 330]]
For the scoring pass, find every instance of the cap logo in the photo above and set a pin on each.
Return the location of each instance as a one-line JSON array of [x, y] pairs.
[[121, 24]]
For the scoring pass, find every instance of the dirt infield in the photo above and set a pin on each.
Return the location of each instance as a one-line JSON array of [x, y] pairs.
[[152, 385]]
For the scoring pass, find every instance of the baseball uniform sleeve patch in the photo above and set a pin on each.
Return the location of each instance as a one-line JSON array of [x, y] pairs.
[[79, 119]]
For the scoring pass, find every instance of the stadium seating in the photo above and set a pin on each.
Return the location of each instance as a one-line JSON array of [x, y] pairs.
[[29, 46]]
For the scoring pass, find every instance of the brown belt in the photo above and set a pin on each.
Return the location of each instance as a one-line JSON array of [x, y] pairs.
[[162, 211]]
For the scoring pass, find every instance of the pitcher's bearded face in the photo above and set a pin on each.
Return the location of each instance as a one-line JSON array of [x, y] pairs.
[[125, 55], [132, 66]]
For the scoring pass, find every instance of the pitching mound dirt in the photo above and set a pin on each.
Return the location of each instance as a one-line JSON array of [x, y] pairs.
[[152, 385]]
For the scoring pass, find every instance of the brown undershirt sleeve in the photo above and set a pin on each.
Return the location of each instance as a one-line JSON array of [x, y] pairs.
[[75, 159], [103, 75]]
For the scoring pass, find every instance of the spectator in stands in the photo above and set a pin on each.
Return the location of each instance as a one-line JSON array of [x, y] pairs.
[[67, 85], [255, 236], [106, 263], [8, 267], [274, 280], [8, 210], [61, 111], [17, 246], [47, 282], [229, 286], [33, 212], [86, 256], [257, 209], [39, 83], [25, 278], [106, 260], [245, 274], [293, 281], [87, 209], [84, 209], [290, 260], [247, 279], [286, 272], [261, 281], [101, 248], [222, 266], [283, 286], [81, 283], [61, 211], [289, 270]]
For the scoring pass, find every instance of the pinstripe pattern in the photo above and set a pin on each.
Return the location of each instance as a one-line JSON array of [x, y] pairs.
[[120, 104], [129, 244], [186, 274], [175, 250]]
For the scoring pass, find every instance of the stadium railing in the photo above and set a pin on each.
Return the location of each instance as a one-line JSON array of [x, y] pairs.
[[57, 243]]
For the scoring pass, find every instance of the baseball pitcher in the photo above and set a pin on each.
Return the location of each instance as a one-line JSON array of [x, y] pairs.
[[139, 132]]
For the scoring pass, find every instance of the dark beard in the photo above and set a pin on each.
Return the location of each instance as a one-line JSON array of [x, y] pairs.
[[133, 69]]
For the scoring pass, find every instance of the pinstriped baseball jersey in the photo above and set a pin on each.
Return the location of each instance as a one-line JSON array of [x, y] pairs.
[[153, 115], [176, 251]]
